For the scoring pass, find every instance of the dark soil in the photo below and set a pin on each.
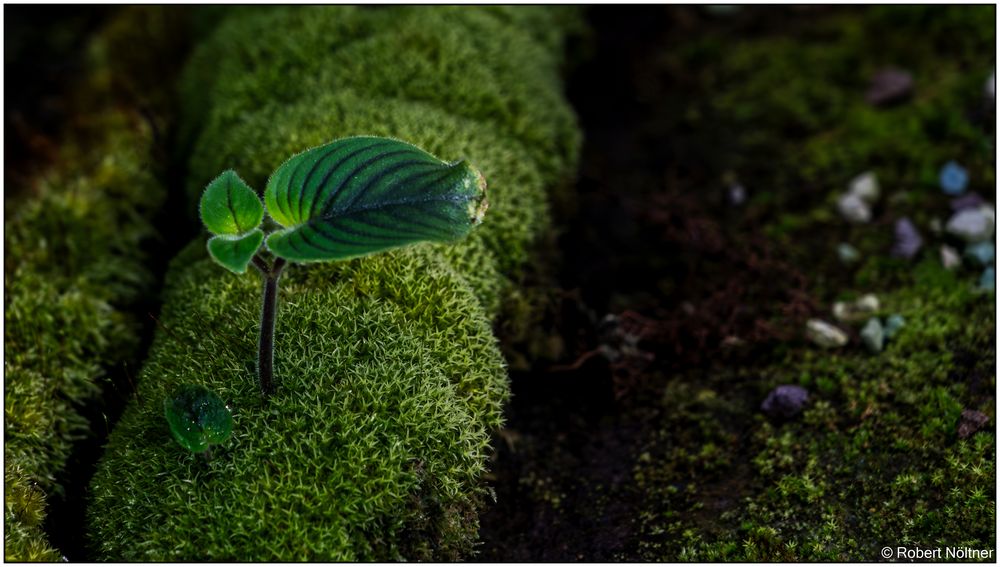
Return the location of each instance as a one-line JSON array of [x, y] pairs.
[[39, 72], [659, 272]]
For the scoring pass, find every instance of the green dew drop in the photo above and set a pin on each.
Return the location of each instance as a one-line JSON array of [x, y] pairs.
[[198, 417]]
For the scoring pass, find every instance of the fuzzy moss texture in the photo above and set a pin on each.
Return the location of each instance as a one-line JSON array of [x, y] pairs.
[[74, 263], [389, 376], [876, 459], [78, 267]]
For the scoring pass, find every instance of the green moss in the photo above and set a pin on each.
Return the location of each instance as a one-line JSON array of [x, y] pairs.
[[874, 461], [24, 512], [390, 378], [464, 72], [819, 119], [471, 63], [74, 260]]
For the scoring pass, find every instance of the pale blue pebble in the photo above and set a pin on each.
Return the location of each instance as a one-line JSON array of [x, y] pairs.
[[873, 335], [987, 281], [893, 324], [982, 252], [847, 253], [953, 178]]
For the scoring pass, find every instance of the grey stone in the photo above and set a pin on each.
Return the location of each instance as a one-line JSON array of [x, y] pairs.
[[857, 310], [865, 187], [873, 335], [824, 334], [737, 194], [972, 225], [950, 258], [785, 401], [854, 209], [847, 253], [908, 240]]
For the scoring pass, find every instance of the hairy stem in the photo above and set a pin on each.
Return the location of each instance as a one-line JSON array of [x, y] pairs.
[[269, 311]]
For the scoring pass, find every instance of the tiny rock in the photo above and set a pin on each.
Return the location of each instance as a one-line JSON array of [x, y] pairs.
[[847, 253], [841, 310], [873, 335], [732, 341], [785, 401], [893, 324], [824, 334], [953, 178], [908, 240], [865, 187], [987, 281], [889, 86], [971, 422], [972, 225], [990, 87], [737, 194], [867, 303], [949, 257], [854, 209], [858, 310], [982, 253]]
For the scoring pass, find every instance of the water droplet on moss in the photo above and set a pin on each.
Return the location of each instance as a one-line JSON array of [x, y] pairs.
[[198, 418]]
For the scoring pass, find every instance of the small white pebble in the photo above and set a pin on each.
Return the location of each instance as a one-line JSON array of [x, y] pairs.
[[865, 187], [949, 257]]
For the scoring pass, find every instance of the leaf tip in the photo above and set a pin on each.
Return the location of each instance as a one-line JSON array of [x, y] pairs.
[[478, 204]]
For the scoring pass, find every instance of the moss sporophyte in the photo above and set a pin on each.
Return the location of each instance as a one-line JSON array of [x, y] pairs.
[[349, 198]]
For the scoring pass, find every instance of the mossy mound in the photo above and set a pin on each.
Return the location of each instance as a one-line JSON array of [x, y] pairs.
[[389, 376], [482, 64], [80, 243], [74, 263]]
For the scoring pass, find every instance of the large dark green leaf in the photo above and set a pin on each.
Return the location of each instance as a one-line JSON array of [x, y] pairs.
[[361, 195]]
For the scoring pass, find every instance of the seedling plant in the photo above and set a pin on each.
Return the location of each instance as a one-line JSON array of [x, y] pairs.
[[349, 198]]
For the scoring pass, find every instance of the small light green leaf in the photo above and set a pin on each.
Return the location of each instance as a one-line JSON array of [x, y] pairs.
[[198, 418], [230, 206], [361, 195], [235, 252]]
